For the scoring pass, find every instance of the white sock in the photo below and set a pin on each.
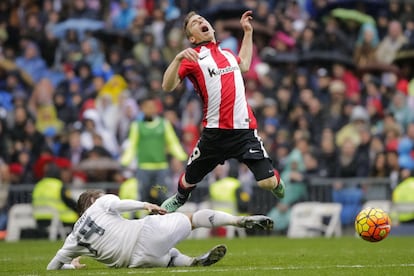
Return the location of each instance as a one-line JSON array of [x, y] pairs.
[[210, 218], [179, 259]]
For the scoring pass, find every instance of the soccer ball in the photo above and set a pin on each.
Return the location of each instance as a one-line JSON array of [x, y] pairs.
[[372, 224]]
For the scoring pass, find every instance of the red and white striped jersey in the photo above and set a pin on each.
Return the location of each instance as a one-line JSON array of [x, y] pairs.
[[218, 80]]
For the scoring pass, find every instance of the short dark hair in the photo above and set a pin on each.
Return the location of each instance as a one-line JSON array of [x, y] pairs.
[[186, 19], [85, 200]]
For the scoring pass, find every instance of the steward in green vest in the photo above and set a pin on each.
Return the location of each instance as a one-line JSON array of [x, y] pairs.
[[404, 194], [151, 141], [129, 190], [50, 192], [224, 194]]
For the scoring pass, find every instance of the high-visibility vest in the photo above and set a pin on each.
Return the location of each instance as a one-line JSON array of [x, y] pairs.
[[47, 192], [129, 190], [404, 193], [223, 194]]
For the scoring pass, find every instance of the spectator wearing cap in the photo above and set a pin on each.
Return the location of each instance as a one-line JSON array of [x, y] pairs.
[[15, 173], [322, 80], [359, 119]]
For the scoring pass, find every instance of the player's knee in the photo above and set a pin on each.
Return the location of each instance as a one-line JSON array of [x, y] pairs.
[[268, 183]]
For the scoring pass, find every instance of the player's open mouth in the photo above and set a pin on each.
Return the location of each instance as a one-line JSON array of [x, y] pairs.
[[204, 29]]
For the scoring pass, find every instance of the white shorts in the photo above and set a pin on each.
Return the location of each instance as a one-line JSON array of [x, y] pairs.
[[158, 235]]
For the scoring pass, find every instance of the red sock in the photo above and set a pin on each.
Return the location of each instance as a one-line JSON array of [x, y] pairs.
[[183, 192], [277, 175]]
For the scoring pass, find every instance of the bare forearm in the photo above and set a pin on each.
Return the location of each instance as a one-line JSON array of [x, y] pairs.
[[246, 51], [171, 78]]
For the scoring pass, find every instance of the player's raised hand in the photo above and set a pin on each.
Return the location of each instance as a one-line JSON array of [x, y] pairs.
[[154, 209], [245, 21], [76, 263], [189, 54]]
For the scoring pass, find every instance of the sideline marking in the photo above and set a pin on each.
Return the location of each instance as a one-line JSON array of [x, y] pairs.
[[212, 269]]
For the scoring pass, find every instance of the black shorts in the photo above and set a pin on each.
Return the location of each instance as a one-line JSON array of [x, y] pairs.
[[218, 145]]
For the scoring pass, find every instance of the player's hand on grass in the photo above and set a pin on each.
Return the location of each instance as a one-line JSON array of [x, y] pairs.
[[76, 263], [154, 209]]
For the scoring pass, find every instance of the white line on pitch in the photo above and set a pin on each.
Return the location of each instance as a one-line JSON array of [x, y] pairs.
[[235, 269]]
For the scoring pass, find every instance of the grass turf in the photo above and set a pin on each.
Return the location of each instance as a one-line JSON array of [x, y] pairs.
[[251, 256]]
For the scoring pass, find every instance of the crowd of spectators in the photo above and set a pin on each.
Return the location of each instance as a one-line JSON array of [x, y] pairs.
[[72, 74]]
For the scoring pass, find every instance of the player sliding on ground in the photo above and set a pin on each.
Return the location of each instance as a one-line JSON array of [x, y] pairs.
[[230, 127], [103, 234]]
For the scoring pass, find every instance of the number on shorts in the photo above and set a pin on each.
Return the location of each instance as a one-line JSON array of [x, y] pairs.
[[196, 154]]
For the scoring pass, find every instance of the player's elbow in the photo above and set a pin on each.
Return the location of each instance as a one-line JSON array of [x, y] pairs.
[[244, 67], [166, 87]]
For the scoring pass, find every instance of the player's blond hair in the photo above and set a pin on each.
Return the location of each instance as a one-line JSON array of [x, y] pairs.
[[186, 20]]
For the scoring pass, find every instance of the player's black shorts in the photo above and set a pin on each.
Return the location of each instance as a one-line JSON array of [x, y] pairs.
[[217, 145]]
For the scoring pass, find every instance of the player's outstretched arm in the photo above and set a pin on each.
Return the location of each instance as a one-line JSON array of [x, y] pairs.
[[246, 49], [171, 79], [128, 205], [55, 264], [59, 262]]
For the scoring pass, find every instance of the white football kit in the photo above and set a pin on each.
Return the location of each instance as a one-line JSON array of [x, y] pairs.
[[103, 234]]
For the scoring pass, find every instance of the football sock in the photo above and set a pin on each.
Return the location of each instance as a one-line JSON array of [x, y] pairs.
[[277, 175], [211, 218], [178, 259], [183, 193]]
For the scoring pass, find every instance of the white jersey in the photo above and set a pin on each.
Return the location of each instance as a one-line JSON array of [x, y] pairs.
[[102, 234]]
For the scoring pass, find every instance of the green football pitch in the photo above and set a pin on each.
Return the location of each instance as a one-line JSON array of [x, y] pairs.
[[269, 255]]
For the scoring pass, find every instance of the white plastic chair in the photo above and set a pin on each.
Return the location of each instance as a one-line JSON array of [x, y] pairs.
[[20, 217], [308, 220], [56, 227]]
